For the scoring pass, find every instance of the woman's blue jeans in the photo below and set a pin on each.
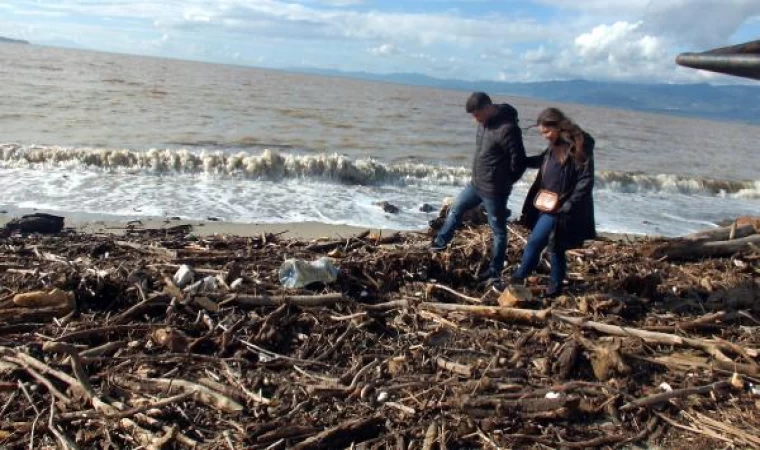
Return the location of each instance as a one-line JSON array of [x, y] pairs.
[[496, 211], [537, 241]]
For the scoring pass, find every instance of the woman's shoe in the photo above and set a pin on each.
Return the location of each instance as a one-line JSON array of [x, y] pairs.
[[553, 291]]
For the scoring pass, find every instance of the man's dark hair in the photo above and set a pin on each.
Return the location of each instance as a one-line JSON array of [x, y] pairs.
[[477, 101]]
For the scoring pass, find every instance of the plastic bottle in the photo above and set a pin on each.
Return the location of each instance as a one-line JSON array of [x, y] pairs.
[[297, 273]]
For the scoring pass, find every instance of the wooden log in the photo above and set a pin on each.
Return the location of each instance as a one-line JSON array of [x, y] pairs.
[[39, 299], [714, 348], [304, 301], [705, 321], [341, 436], [201, 394], [657, 399], [689, 250], [432, 287], [20, 315], [37, 305], [492, 312], [690, 362], [459, 369], [160, 251], [562, 407], [722, 234]]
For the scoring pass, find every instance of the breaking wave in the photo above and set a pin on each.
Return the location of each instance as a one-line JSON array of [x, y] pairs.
[[274, 165], [268, 164], [628, 182]]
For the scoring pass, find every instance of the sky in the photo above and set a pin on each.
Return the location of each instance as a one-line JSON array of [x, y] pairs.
[[505, 40]]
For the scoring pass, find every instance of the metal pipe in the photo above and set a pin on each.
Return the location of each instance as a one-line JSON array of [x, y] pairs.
[[743, 65]]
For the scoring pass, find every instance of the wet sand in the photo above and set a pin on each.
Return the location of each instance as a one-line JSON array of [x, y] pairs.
[[107, 224]]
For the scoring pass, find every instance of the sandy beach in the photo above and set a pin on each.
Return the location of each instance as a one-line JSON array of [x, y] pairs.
[[107, 224], [104, 224]]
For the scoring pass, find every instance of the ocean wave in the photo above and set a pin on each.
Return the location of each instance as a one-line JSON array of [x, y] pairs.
[[628, 182], [275, 165], [268, 164]]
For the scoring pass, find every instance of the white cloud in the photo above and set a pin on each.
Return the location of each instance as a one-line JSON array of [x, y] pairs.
[[384, 50], [539, 55], [598, 39], [621, 41]]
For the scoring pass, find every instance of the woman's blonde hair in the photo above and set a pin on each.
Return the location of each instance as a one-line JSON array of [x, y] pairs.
[[569, 132]]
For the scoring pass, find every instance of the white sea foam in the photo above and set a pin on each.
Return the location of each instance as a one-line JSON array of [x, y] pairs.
[[273, 187], [273, 165]]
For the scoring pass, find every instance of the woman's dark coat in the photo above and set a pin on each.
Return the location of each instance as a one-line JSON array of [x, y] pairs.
[[575, 217]]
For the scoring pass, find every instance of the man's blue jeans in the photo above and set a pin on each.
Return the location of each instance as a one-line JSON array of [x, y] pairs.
[[537, 241], [496, 211]]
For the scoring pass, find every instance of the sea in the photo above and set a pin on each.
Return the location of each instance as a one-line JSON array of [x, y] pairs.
[[129, 137]]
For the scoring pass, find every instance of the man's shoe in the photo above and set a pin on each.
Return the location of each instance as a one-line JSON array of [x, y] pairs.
[[517, 281], [436, 248], [497, 285], [487, 275]]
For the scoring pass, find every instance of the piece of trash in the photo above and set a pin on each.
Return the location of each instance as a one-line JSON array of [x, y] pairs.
[[236, 284], [297, 273], [36, 223], [183, 276], [666, 387], [552, 394]]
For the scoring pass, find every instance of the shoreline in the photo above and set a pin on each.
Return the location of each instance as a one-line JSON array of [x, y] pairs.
[[89, 223], [118, 225]]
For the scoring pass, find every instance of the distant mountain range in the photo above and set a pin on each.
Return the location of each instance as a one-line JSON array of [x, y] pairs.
[[13, 41], [723, 102]]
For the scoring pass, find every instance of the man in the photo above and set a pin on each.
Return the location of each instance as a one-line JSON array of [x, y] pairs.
[[498, 163]]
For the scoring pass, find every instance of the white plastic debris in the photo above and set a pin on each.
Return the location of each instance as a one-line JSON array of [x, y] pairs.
[[553, 395], [382, 397], [666, 387], [210, 283], [297, 273], [183, 276], [236, 284]]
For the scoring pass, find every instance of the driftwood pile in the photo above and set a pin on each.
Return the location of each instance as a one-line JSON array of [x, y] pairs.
[[101, 346]]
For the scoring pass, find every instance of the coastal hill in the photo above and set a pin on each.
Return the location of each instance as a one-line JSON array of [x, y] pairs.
[[12, 41], [734, 102]]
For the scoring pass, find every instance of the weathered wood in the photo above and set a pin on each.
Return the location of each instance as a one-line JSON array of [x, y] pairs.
[[200, 393], [492, 312], [304, 301], [562, 407], [459, 369], [690, 250], [431, 288], [714, 348], [514, 296], [722, 234], [343, 435], [657, 399], [37, 305]]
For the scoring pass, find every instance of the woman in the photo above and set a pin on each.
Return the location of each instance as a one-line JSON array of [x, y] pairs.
[[559, 208]]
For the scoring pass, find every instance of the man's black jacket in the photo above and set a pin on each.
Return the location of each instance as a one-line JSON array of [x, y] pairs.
[[499, 153]]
